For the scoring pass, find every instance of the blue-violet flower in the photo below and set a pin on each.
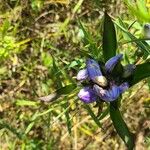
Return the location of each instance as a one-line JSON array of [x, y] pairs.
[[103, 85]]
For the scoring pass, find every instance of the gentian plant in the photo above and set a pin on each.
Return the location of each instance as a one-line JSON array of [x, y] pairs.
[[106, 79]]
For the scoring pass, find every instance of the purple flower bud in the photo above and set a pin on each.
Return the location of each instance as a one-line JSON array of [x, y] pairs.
[[123, 87], [112, 62], [101, 80], [93, 69], [128, 70], [107, 95], [82, 74], [87, 95]]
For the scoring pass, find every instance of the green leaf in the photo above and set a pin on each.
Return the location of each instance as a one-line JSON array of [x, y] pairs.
[[109, 38], [91, 113], [67, 115], [66, 89], [142, 71], [138, 9], [61, 91], [5, 27], [104, 114], [29, 127], [56, 73], [22, 102], [121, 126], [47, 59]]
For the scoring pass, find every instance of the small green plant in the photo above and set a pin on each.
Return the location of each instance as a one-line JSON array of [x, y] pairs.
[[139, 9], [8, 42]]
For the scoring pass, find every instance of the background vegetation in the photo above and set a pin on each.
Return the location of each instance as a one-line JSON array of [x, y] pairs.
[[41, 51]]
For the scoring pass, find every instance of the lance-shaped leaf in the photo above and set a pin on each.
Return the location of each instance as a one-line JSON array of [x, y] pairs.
[[121, 126], [93, 116], [142, 71], [58, 93], [67, 115], [109, 38]]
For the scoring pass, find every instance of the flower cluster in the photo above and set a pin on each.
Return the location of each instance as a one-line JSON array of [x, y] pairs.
[[103, 83]]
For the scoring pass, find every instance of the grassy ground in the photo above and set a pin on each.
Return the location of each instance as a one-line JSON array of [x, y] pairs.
[[40, 52]]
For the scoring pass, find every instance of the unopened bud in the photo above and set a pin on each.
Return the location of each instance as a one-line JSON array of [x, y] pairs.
[[101, 81], [128, 70], [82, 74]]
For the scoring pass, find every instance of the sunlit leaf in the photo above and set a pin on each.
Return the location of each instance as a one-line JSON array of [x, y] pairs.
[[5, 27], [22, 102], [29, 127], [139, 9]]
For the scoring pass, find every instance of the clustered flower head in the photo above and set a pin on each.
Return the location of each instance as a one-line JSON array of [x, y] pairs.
[[103, 81]]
